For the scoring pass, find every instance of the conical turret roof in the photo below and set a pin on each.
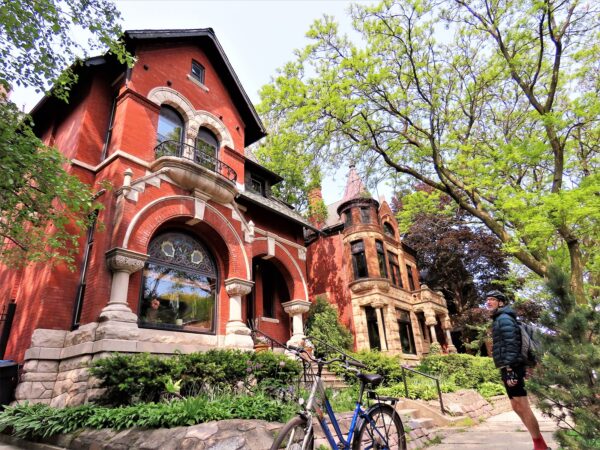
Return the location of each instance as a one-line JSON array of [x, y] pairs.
[[355, 188]]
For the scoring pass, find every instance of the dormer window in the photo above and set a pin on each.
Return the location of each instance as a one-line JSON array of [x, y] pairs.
[[258, 185], [388, 230], [197, 71]]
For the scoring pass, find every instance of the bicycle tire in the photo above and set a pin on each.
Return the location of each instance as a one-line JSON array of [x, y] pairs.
[[386, 420], [292, 436]]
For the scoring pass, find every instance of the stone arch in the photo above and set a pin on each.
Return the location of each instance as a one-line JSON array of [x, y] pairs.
[[291, 273], [210, 121], [152, 216], [167, 96]]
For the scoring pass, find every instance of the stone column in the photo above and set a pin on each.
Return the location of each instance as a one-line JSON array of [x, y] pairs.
[[431, 321], [122, 263], [295, 309], [378, 307], [237, 334], [447, 325]]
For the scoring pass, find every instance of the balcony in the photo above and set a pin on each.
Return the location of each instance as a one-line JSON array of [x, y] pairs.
[[194, 169]]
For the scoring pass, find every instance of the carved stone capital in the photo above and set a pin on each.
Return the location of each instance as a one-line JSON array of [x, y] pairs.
[[430, 318], [238, 286], [123, 260], [296, 307]]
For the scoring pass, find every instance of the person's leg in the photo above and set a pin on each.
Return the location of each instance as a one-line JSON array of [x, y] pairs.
[[515, 388], [521, 406]]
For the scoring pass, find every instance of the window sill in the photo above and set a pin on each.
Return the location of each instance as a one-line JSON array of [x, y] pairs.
[[198, 83], [269, 319]]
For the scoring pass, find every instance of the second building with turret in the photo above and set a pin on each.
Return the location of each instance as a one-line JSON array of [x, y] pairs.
[[359, 263]]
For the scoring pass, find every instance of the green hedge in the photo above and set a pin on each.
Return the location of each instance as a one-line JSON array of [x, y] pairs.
[[34, 421], [455, 371], [376, 362], [130, 379]]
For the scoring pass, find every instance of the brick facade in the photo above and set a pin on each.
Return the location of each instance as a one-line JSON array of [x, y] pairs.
[[152, 194], [381, 309]]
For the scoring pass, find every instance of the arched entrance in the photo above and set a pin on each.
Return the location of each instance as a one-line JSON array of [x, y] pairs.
[[264, 305]]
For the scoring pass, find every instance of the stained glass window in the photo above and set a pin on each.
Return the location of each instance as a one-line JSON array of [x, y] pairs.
[[179, 290]]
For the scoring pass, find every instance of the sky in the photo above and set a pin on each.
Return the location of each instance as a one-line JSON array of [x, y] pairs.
[[258, 36]]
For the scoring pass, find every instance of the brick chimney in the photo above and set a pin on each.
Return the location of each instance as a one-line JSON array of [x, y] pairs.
[[316, 205]]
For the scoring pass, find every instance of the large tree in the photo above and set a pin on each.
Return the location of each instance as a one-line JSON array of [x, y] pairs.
[[493, 103], [460, 260], [43, 209]]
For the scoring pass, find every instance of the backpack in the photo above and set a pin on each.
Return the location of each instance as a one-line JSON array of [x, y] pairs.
[[530, 344]]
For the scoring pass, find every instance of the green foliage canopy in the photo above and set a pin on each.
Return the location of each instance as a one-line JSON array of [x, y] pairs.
[[491, 102], [45, 209]]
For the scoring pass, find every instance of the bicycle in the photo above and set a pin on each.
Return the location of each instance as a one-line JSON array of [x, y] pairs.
[[377, 428]]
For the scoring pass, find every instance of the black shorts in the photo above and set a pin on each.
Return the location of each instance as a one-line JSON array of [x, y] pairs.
[[519, 389]]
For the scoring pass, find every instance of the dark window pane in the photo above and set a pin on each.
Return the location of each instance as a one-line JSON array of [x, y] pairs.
[[411, 280], [407, 339], [348, 218], [258, 185], [373, 328], [170, 125], [359, 261], [365, 215], [198, 71], [381, 259], [388, 230]]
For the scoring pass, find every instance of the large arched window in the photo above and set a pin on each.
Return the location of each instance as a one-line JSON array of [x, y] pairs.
[[170, 128], [179, 289]]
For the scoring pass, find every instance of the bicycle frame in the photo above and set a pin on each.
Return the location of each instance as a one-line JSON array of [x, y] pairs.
[[318, 392]]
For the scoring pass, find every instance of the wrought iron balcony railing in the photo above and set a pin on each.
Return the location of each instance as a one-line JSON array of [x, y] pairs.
[[181, 150]]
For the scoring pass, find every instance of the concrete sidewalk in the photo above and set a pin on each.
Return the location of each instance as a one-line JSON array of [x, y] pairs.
[[502, 432]]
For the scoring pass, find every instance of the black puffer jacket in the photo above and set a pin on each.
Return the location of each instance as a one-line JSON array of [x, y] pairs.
[[506, 336]]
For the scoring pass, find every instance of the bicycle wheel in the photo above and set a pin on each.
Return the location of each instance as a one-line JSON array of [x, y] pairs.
[[293, 435], [383, 430]]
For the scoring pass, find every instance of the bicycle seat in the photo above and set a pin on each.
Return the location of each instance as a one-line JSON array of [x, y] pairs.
[[370, 378]]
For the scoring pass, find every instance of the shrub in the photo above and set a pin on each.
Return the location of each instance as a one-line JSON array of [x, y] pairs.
[[489, 390], [34, 421], [142, 377], [418, 388], [376, 362], [465, 372], [324, 325], [132, 378]]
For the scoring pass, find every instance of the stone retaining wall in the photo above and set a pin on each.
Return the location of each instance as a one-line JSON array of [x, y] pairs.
[[55, 371]]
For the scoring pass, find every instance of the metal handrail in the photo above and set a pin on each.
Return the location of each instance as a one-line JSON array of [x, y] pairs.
[[437, 384], [178, 149]]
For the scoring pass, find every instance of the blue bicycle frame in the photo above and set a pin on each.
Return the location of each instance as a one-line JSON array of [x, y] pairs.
[[318, 391]]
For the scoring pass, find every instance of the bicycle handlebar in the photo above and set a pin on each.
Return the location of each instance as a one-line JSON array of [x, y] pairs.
[[345, 359]]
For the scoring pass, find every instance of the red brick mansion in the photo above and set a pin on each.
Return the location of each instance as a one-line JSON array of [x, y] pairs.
[[190, 244]]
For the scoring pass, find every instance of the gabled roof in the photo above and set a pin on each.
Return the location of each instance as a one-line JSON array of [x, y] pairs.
[[255, 130]]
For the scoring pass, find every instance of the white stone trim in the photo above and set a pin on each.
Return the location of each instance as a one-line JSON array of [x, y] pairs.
[[139, 214], [269, 319], [279, 238], [198, 83], [213, 123], [194, 119], [162, 95], [115, 155]]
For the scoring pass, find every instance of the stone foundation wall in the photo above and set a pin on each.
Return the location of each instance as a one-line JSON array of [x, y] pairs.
[[56, 373]]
